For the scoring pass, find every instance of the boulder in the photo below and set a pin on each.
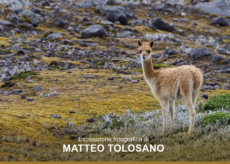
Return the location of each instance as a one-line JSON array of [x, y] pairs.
[[219, 21], [215, 7], [58, 22], [29, 16], [201, 52], [93, 31], [217, 58], [54, 36], [162, 25]]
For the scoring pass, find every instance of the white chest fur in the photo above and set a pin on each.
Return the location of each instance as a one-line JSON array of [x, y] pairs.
[[150, 81]]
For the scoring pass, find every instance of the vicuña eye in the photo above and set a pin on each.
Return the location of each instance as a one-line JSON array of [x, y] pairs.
[[148, 51], [140, 51]]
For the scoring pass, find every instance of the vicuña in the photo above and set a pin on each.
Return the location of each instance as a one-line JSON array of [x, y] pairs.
[[171, 84]]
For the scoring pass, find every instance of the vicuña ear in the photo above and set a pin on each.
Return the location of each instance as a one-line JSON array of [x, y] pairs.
[[139, 43], [151, 44]]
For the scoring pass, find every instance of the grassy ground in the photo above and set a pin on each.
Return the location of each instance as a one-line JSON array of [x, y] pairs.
[[17, 114]]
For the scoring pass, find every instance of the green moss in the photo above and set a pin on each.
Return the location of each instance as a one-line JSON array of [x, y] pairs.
[[64, 49], [101, 63], [158, 66], [55, 68], [47, 34], [212, 118], [217, 102], [6, 51], [23, 75]]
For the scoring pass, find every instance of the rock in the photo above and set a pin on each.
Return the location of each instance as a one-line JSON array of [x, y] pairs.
[[74, 99], [194, 23], [227, 61], [215, 7], [201, 52], [30, 99], [217, 58], [36, 88], [28, 15], [15, 19], [45, 3], [112, 15], [106, 22], [37, 50], [134, 81], [23, 97], [222, 51], [183, 14], [72, 111], [55, 116], [208, 87], [227, 70], [173, 62], [6, 23], [69, 71], [220, 21], [122, 19], [93, 31], [90, 119], [58, 22], [21, 52], [113, 2], [70, 29], [162, 25], [170, 51], [30, 81], [54, 36], [110, 78], [204, 96], [152, 27], [27, 26], [160, 6]]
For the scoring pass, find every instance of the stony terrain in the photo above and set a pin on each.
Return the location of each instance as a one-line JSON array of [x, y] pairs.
[[63, 60]]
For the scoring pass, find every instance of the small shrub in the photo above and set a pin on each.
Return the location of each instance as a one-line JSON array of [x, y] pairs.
[[212, 118], [47, 34], [101, 63], [115, 125], [217, 102], [23, 75], [7, 84]]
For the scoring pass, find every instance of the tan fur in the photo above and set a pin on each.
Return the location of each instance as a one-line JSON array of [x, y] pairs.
[[171, 84]]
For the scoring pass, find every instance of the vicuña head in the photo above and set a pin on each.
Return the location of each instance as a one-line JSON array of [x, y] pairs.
[[171, 84]]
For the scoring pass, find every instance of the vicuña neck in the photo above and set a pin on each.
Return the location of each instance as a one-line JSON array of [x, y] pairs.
[[147, 67]]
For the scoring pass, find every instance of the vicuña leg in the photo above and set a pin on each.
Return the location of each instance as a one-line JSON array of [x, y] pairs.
[[165, 106], [195, 96], [192, 112], [171, 110]]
